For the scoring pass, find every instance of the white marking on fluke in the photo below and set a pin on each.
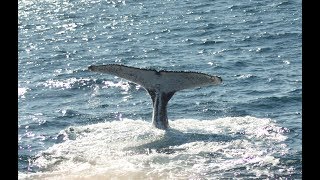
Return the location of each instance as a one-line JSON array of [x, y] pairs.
[[161, 85]]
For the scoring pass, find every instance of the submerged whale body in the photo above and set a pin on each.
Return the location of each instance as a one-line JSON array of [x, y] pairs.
[[161, 85]]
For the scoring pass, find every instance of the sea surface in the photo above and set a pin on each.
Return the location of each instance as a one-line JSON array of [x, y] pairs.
[[78, 124]]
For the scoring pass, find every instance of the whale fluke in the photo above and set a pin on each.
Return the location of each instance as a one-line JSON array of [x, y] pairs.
[[161, 85]]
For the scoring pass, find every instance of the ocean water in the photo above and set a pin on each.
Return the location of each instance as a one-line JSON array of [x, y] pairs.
[[77, 124]]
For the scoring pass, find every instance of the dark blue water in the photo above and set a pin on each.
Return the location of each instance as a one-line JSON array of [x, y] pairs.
[[78, 124]]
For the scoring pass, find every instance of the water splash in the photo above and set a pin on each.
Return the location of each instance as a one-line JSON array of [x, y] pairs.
[[189, 149]]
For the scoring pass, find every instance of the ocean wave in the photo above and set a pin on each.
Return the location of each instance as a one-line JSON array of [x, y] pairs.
[[282, 35], [244, 76], [277, 101]]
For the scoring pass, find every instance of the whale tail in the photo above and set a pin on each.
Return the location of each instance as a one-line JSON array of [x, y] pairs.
[[161, 85]]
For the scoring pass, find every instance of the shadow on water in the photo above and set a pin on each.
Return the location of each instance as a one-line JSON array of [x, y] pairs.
[[172, 138]]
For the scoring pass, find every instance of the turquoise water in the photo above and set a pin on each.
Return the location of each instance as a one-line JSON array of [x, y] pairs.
[[73, 123]]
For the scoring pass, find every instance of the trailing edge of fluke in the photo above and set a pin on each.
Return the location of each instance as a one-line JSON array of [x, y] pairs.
[[161, 85]]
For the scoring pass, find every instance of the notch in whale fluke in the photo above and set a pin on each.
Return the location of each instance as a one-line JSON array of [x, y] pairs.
[[161, 85]]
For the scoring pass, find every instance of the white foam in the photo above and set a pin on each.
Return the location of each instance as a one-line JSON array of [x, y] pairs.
[[190, 149], [121, 84], [21, 92]]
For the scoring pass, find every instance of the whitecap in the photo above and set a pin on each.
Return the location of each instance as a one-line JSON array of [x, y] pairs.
[[22, 92]]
